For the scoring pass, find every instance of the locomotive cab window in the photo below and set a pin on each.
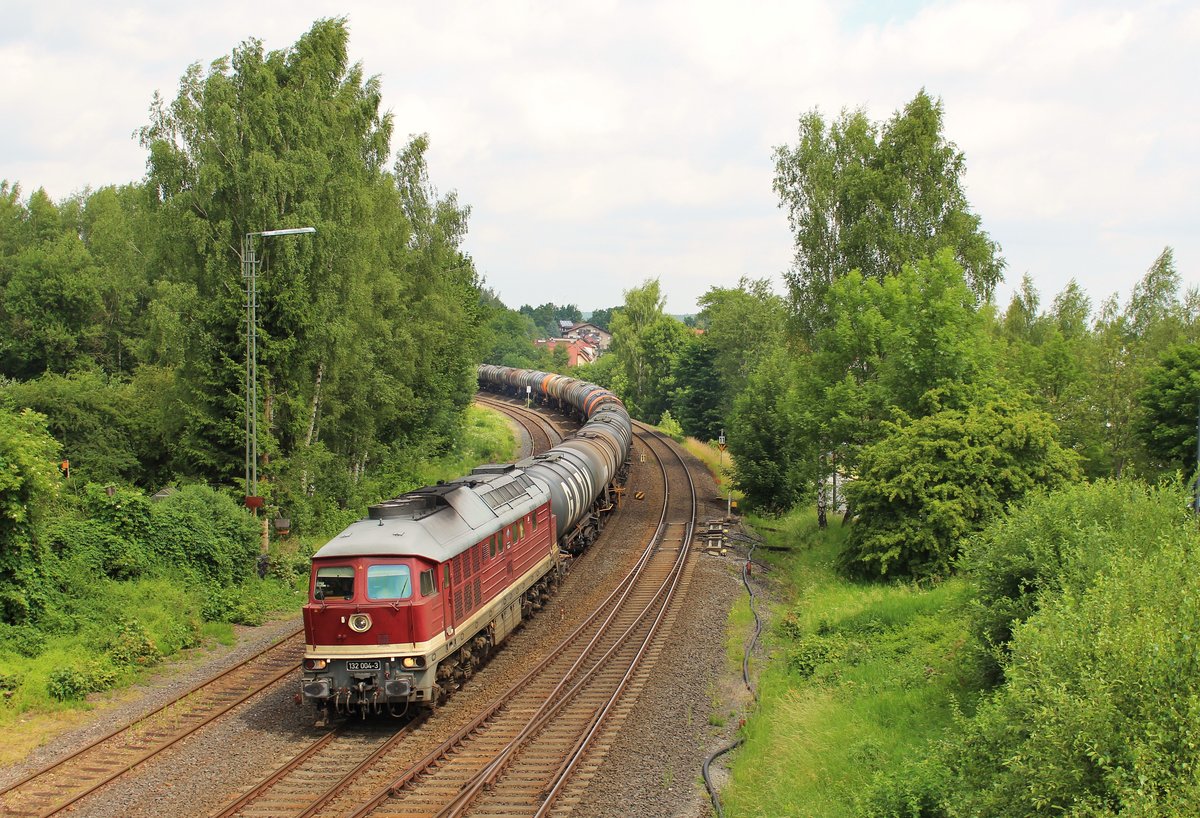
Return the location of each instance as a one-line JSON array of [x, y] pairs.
[[429, 582], [334, 582], [389, 582]]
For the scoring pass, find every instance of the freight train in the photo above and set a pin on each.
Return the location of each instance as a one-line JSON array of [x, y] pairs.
[[406, 604]]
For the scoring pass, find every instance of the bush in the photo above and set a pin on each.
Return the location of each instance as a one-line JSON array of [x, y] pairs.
[[132, 645], [1100, 711], [24, 640], [670, 427], [10, 680], [234, 605], [77, 680], [205, 533], [933, 482], [1059, 542], [94, 546], [125, 511]]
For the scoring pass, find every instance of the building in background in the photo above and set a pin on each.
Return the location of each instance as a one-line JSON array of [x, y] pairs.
[[579, 351], [599, 338]]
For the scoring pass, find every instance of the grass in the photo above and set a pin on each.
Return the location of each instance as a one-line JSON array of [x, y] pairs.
[[860, 676], [719, 463], [486, 438]]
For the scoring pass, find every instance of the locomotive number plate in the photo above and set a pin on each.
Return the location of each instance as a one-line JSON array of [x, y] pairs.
[[373, 665]]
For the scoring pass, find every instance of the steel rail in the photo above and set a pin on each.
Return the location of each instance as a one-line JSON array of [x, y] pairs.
[[262, 790], [611, 604], [660, 602], [581, 748], [546, 430]]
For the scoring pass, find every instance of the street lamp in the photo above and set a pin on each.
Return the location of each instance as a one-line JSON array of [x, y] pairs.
[[249, 272]]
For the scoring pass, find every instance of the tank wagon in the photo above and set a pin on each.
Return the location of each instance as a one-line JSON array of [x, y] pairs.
[[406, 604]]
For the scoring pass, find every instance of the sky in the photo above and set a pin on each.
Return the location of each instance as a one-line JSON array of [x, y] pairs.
[[606, 143]]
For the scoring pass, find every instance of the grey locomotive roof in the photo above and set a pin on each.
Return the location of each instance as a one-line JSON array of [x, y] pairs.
[[437, 522]]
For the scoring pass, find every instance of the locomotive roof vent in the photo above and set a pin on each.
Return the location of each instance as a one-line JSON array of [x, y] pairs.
[[406, 507], [494, 468], [505, 493]]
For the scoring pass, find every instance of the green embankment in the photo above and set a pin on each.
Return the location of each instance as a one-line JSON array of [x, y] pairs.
[[1055, 674], [858, 677]]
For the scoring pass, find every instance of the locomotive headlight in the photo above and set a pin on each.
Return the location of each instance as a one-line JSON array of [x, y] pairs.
[[315, 664], [409, 661], [360, 623]]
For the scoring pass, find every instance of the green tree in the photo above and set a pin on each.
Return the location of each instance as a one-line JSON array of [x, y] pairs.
[[603, 317], [873, 198], [506, 336], [771, 470], [1126, 343], [646, 343], [547, 316], [699, 394], [884, 346], [929, 483], [1169, 408], [367, 330], [89, 416], [742, 325]]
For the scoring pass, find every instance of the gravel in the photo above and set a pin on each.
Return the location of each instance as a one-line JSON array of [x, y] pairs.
[[653, 764]]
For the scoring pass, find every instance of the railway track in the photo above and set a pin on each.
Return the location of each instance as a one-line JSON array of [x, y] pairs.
[[519, 754], [312, 779], [344, 761], [57, 786], [542, 433]]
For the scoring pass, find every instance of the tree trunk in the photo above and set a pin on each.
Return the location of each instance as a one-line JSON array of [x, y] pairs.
[[316, 403], [312, 424]]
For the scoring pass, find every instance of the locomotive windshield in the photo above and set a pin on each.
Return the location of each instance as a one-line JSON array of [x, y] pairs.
[[389, 582], [334, 582]]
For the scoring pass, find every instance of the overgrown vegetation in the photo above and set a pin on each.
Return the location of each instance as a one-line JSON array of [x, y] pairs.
[[860, 677], [1057, 675], [110, 582]]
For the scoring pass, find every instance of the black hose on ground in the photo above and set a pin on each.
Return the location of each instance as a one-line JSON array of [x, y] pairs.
[[758, 626]]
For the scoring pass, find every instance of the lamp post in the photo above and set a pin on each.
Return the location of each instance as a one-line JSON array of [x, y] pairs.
[[249, 272]]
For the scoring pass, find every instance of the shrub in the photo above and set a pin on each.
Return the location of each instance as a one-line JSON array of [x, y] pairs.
[[932, 482], [96, 547], [125, 511], [81, 678], [1060, 541], [132, 645], [1099, 713], [25, 640], [10, 680], [233, 605], [204, 532], [670, 427]]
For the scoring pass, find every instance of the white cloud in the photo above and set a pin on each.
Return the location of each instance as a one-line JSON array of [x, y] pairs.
[[600, 144]]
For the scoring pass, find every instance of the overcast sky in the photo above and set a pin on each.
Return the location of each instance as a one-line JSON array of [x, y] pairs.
[[601, 144]]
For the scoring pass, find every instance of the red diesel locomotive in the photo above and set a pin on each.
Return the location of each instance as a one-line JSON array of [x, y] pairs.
[[406, 604]]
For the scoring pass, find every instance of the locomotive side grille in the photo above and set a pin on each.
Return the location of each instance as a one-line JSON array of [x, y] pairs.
[[478, 596], [475, 552], [457, 563], [458, 605]]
